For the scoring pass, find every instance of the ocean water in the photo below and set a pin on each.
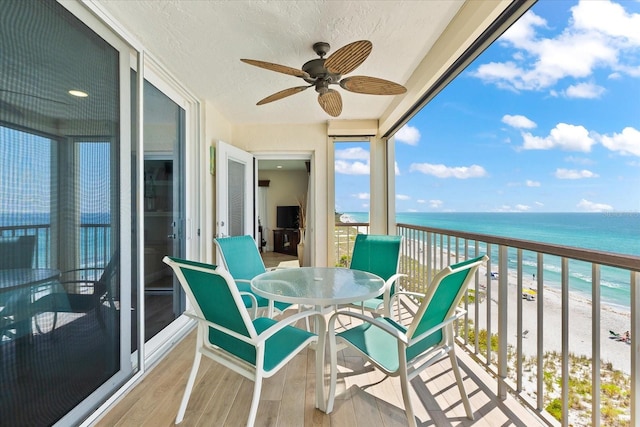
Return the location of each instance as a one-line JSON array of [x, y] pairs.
[[617, 232], [95, 245]]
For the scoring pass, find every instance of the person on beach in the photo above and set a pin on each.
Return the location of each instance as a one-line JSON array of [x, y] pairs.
[[626, 337]]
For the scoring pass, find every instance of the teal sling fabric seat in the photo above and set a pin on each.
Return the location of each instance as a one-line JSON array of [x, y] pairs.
[[255, 349], [380, 255], [406, 351], [241, 258]]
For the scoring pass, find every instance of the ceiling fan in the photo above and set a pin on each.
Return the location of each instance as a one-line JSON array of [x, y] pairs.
[[322, 72]]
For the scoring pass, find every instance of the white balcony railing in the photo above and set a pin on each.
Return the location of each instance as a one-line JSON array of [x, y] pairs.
[[528, 324]]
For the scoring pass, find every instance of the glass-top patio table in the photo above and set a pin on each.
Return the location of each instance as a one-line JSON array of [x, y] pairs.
[[322, 287]]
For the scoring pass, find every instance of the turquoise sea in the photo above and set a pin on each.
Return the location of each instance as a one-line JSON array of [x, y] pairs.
[[617, 232]]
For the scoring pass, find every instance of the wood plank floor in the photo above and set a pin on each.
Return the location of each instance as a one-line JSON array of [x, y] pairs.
[[365, 397]]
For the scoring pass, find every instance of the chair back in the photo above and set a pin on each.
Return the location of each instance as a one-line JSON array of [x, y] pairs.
[[17, 252], [215, 298], [377, 254], [442, 298], [240, 256]]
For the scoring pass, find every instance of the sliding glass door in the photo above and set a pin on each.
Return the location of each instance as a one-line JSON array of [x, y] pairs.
[[164, 208], [64, 338]]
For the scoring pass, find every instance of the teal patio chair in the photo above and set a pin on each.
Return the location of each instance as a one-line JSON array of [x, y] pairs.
[[380, 255], [83, 290], [405, 352], [241, 258], [255, 349], [15, 310]]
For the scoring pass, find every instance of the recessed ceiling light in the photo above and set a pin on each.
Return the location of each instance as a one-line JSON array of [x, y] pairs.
[[78, 93], [279, 166]]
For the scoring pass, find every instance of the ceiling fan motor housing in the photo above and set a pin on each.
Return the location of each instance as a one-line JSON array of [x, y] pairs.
[[317, 71]]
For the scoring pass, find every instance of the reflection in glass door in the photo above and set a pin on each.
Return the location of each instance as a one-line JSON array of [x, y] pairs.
[[163, 208]]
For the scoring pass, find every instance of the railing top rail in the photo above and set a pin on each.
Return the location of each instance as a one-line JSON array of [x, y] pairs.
[[352, 224], [629, 262]]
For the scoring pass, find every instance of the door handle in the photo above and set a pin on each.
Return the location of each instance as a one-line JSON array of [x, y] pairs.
[[171, 236]]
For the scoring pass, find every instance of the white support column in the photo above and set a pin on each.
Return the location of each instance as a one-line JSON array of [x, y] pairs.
[[378, 186]]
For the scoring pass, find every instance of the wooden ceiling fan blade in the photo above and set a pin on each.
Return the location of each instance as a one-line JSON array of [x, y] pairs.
[[349, 57], [282, 94], [331, 102], [371, 86], [277, 68]]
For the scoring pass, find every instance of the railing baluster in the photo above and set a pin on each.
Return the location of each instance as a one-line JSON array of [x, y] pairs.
[[565, 341], [488, 282], [635, 346], [595, 345], [430, 239], [539, 332], [503, 298], [519, 326]]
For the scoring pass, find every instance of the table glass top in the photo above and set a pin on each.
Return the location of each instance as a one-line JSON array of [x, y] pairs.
[[317, 285]]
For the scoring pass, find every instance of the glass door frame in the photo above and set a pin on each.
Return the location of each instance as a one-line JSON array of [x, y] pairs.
[[155, 74]]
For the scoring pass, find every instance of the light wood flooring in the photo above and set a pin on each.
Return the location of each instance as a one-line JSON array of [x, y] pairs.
[[365, 397]]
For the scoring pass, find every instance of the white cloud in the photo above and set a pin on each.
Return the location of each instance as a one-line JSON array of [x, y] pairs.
[[578, 160], [531, 183], [362, 196], [600, 34], [593, 207], [584, 90], [442, 171], [607, 18], [421, 201], [354, 153], [402, 197], [522, 208], [563, 136], [539, 204], [436, 203], [574, 174], [396, 168], [626, 142], [351, 168], [518, 121], [408, 135]]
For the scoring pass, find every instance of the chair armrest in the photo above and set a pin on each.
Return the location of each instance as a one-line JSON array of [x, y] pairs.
[[398, 294], [254, 302], [386, 296], [457, 314], [289, 320], [396, 333]]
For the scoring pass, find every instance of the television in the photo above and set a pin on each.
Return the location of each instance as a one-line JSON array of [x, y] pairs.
[[287, 216]]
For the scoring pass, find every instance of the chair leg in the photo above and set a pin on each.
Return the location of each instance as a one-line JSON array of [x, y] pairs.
[[333, 353], [463, 393], [255, 400], [406, 396], [189, 387]]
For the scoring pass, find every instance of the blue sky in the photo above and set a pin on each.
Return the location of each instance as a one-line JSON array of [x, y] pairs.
[[547, 119]]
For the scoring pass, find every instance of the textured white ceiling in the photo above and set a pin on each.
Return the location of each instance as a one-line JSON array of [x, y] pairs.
[[201, 43]]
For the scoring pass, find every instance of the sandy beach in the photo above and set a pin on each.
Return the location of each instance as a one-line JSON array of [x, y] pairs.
[[618, 353]]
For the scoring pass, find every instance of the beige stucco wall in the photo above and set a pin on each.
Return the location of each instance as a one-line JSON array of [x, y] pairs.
[[216, 128]]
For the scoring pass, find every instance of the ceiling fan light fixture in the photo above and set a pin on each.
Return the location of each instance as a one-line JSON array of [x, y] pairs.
[[78, 93]]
